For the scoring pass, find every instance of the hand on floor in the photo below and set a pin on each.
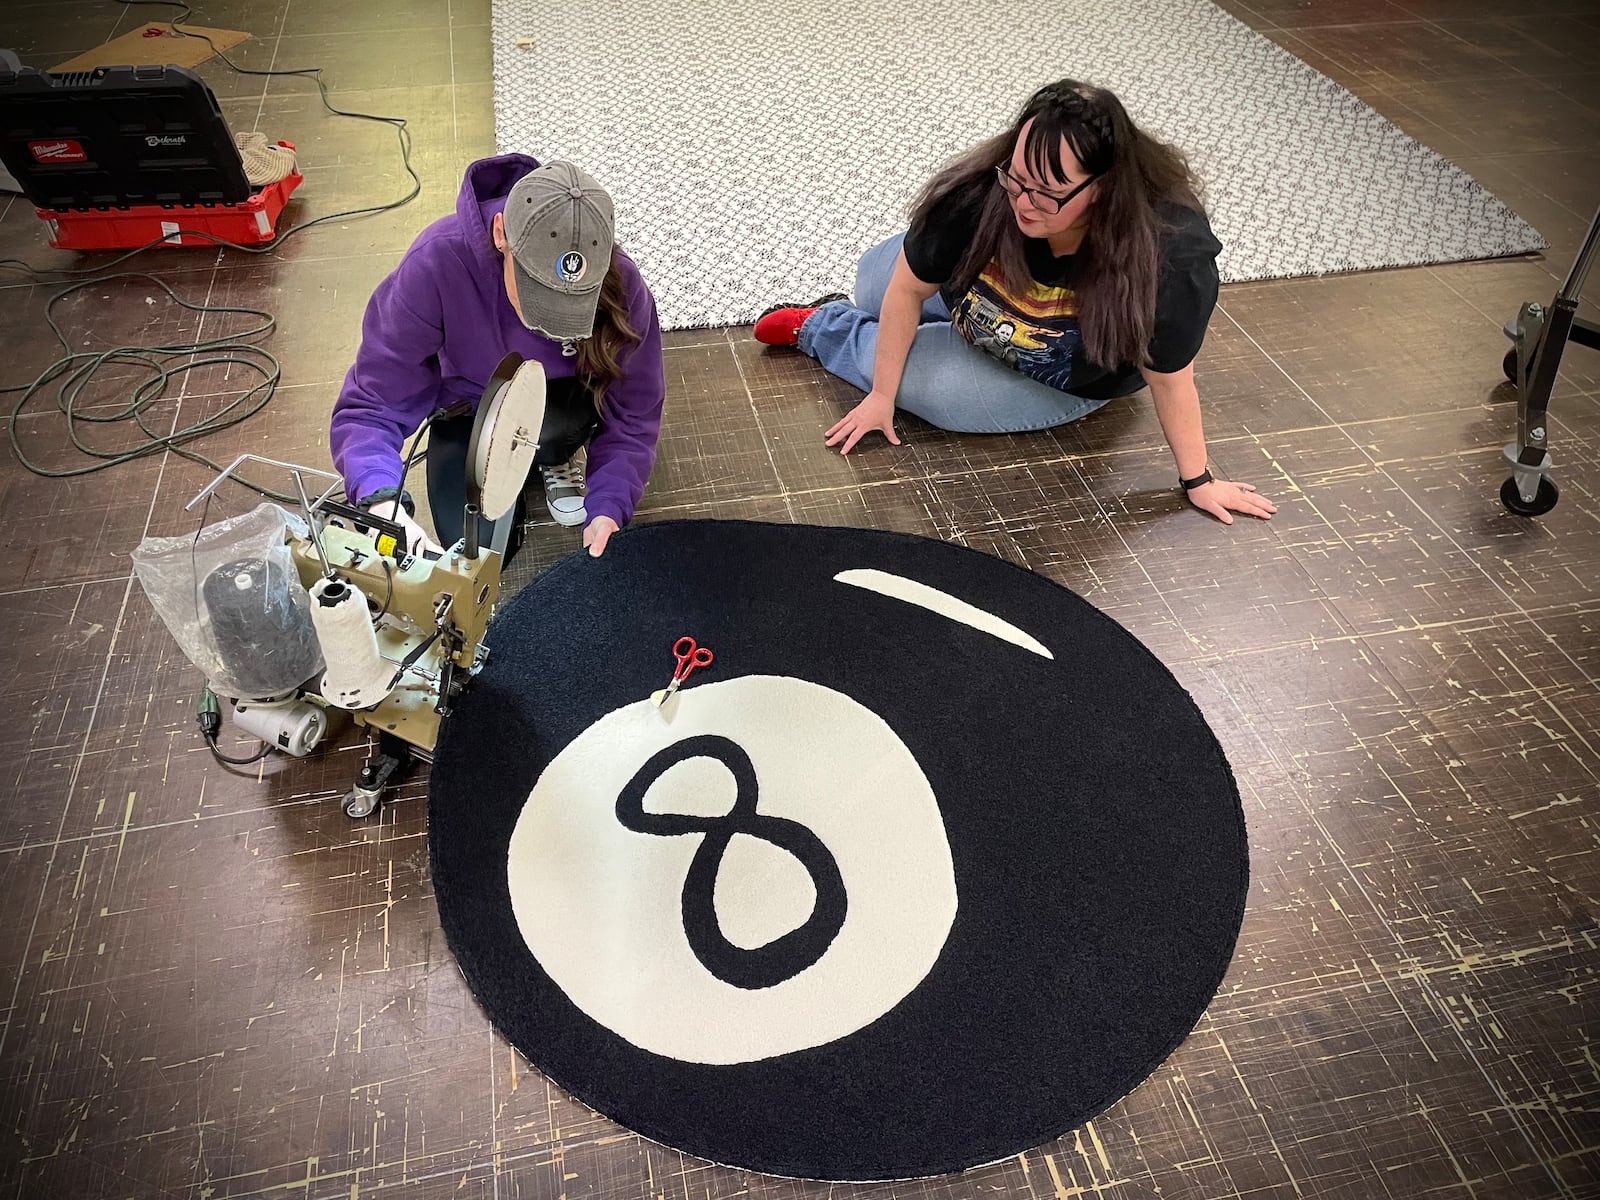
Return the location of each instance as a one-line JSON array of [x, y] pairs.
[[1220, 496], [875, 412], [596, 534]]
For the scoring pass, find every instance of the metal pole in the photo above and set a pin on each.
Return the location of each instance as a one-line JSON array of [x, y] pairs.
[[228, 471], [311, 524], [1580, 265]]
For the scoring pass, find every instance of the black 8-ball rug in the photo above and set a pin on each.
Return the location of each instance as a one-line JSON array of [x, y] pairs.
[[930, 865]]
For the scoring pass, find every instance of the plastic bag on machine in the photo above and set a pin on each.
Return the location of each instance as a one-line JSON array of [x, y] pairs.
[[233, 601]]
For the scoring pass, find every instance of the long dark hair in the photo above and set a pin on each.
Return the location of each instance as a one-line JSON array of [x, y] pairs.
[[1116, 267], [599, 355]]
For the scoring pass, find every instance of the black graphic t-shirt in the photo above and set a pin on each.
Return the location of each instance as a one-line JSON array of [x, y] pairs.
[[1036, 332]]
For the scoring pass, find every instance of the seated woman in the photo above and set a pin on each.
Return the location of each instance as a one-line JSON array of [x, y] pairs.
[[1051, 269], [526, 263]]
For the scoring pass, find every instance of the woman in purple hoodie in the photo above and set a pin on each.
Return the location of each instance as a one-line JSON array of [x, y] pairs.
[[526, 263]]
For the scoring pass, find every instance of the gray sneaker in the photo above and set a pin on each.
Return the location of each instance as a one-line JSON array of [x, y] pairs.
[[563, 492]]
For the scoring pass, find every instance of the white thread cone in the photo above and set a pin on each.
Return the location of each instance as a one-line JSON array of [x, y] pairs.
[[356, 676]]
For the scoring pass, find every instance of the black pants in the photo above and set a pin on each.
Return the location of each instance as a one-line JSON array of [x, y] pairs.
[[570, 422]]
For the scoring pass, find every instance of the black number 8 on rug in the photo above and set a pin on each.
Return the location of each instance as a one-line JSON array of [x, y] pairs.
[[932, 862]]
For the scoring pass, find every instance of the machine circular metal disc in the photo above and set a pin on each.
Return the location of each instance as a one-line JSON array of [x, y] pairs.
[[505, 436]]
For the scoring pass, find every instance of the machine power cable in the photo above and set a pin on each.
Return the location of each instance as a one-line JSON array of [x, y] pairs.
[[208, 714]]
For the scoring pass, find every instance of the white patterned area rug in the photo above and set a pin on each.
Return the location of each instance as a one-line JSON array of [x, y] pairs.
[[754, 150]]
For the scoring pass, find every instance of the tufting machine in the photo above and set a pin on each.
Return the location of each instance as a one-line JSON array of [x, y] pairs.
[[297, 622]]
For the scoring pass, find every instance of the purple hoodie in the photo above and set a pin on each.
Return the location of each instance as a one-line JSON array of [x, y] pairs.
[[437, 327]]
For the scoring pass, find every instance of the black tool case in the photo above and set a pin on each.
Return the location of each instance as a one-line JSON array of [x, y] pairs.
[[116, 137]]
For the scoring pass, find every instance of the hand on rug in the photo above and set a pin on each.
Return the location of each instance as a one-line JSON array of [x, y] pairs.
[[596, 534]]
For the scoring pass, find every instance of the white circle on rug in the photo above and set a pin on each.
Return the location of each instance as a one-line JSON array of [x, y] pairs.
[[601, 906]]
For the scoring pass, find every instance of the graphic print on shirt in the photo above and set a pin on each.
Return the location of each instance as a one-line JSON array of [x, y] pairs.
[[1035, 332]]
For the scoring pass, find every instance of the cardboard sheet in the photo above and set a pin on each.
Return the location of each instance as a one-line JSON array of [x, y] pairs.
[[154, 42]]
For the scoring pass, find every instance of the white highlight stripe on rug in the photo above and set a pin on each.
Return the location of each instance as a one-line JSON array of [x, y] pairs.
[[898, 587], [754, 151]]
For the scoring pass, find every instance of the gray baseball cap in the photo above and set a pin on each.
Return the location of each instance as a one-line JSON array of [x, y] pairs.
[[559, 227]]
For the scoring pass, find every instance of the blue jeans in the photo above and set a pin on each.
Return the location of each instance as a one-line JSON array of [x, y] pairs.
[[947, 381]]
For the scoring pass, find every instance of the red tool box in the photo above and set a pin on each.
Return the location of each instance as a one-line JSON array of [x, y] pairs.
[[246, 224]]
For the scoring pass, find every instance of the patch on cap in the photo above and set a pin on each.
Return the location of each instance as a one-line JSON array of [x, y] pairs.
[[571, 267]]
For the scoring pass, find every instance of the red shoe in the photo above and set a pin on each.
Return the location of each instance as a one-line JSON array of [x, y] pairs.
[[780, 325]]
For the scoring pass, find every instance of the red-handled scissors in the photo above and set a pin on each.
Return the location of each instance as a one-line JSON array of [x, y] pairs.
[[690, 656]]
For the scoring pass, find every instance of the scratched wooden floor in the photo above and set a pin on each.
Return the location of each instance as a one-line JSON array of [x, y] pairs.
[[216, 985]]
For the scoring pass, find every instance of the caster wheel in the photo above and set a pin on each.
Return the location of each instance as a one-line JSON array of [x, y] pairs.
[[1508, 364], [358, 804], [1543, 501]]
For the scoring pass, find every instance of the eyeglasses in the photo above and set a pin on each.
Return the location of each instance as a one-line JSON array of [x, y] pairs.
[[1043, 201]]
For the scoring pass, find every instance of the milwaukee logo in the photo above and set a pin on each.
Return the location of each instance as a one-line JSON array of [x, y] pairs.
[[164, 140], [54, 152]]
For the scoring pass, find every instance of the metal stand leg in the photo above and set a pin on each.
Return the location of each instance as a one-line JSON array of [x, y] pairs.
[[388, 765], [505, 528], [1539, 338]]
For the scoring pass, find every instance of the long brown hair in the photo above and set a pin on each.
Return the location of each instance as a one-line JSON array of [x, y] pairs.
[[599, 355], [1116, 267]]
